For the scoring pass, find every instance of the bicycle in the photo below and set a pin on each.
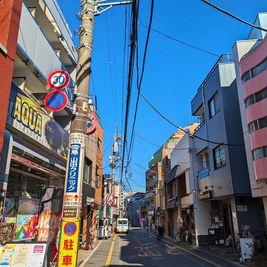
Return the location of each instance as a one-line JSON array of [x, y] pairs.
[[91, 241], [180, 235]]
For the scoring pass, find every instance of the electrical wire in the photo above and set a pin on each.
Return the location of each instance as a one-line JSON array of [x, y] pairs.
[[233, 16], [185, 148], [183, 130], [179, 41], [129, 84], [139, 82]]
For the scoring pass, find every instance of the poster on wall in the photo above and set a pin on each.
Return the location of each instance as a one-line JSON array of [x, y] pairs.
[[23, 254], [48, 226], [10, 207], [28, 206], [26, 226]]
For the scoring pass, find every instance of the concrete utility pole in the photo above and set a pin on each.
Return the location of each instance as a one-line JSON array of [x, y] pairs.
[[72, 202]]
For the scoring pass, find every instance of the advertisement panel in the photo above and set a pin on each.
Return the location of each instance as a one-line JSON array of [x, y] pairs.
[[23, 254], [26, 115]]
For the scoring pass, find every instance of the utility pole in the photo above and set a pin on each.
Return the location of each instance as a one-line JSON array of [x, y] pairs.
[[72, 202]]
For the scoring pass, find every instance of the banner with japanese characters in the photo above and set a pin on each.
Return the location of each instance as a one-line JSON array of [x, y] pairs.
[[69, 238]]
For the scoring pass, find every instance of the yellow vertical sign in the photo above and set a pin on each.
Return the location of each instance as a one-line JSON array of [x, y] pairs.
[[69, 240]]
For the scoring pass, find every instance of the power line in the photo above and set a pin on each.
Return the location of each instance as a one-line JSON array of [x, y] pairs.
[[139, 83], [179, 41], [183, 130], [186, 148], [234, 16], [129, 84]]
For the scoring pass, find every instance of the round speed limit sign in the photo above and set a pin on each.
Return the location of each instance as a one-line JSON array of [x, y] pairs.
[[58, 79]]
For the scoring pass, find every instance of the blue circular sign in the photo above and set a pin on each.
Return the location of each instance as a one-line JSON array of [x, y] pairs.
[[56, 101], [70, 228]]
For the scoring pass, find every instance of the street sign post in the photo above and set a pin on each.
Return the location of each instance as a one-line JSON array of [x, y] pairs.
[[56, 100], [58, 79]]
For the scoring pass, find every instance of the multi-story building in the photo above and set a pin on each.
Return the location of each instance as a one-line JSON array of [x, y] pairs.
[[92, 182], [9, 28], [155, 178], [251, 69], [37, 151], [220, 160], [180, 186], [134, 204]]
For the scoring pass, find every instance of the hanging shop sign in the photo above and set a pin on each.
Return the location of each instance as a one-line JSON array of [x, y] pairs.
[[26, 116], [58, 79], [68, 243], [56, 101], [91, 123], [23, 254]]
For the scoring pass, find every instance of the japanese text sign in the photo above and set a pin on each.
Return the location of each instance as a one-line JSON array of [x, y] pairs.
[[73, 169], [68, 243]]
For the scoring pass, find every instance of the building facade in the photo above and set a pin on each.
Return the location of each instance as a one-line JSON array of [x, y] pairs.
[[38, 144], [9, 28], [251, 68], [220, 162]]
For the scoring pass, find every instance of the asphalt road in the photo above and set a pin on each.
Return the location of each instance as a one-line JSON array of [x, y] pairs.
[[141, 248]]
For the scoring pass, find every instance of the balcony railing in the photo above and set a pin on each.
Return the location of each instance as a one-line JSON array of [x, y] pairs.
[[62, 25]]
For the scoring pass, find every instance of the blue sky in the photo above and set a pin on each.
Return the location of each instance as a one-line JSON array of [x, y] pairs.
[[173, 71]]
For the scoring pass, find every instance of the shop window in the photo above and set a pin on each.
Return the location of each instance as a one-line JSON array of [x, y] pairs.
[[219, 157], [213, 105]]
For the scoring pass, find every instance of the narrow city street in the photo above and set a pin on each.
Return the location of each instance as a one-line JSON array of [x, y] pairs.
[[141, 248]]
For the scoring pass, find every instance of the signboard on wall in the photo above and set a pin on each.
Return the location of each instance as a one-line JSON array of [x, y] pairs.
[[23, 254], [26, 116]]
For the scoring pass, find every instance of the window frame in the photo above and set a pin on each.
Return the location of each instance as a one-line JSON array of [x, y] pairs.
[[222, 162]]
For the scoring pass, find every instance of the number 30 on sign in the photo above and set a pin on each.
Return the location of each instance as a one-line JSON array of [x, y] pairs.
[[58, 79]]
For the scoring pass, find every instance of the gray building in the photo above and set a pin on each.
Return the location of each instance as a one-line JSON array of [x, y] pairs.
[[220, 164]]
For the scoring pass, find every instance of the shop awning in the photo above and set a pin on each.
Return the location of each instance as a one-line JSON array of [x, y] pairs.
[[33, 165], [172, 174]]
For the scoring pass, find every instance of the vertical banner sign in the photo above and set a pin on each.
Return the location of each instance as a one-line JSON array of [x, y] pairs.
[[72, 203], [69, 239], [73, 169]]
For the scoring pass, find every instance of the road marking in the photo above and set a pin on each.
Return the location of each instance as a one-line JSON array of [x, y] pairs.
[[108, 260], [194, 254]]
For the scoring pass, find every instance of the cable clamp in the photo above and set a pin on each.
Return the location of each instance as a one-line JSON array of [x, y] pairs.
[[86, 45]]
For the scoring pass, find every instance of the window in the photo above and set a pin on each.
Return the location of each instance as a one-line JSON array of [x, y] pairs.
[[258, 124], [219, 157], [246, 76], [213, 109], [256, 97], [254, 71], [259, 153], [205, 159]]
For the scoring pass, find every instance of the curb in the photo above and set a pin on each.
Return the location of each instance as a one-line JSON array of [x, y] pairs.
[[83, 262]]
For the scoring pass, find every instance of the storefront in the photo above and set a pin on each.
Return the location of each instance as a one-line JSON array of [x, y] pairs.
[[35, 182]]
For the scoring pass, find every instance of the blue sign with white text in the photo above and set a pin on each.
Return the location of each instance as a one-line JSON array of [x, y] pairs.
[[73, 170]]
